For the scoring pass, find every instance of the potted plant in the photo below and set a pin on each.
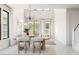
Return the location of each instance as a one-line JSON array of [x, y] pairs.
[[26, 31]]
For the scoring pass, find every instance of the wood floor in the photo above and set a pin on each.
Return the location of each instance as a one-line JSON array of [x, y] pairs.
[[58, 49]]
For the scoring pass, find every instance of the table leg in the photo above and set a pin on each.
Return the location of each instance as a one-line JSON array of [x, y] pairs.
[[40, 47], [43, 45], [25, 47], [33, 47], [29, 43], [18, 47]]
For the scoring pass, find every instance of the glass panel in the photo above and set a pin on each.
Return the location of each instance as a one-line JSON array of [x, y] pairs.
[[5, 34], [34, 27], [47, 25], [37, 28], [31, 28], [5, 17], [5, 25], [47, 29]]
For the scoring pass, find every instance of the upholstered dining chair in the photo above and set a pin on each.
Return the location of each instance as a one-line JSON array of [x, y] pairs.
[[23, 42], [37, 42]]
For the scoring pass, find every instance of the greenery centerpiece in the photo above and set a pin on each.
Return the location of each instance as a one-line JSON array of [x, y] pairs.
[[26, 30]]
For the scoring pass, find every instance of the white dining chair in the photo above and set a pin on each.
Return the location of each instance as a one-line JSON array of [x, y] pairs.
[[37, 43], [23, 42]]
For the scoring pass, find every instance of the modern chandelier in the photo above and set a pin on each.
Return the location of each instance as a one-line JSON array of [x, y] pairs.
[[31, 14]]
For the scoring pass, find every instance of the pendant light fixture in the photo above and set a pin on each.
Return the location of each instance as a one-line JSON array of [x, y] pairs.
[[29, 11]]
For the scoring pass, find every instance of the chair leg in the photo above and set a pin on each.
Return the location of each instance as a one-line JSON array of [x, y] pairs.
[[18, 47], [29, 43], [40, 47], [33, 48], [25, 47], [43, 45]]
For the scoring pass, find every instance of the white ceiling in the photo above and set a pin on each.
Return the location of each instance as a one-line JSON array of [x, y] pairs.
[[43, 6]]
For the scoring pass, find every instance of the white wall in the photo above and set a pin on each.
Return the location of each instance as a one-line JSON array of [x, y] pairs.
[[74, 16], [73, 20], [60, 25], [18, 26], [18, 18]]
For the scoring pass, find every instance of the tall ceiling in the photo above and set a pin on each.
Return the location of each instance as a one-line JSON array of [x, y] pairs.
[[43, 6]]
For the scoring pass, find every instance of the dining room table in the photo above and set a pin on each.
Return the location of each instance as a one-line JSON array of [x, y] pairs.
[[33, 39]]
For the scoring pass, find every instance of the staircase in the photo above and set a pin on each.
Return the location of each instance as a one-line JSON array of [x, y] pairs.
[[75, 41]]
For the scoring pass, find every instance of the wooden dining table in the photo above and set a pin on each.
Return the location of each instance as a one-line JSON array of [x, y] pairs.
[[40, 40]]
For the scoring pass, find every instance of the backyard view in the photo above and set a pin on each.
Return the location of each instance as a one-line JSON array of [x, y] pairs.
[[5, 25], [34, 28]]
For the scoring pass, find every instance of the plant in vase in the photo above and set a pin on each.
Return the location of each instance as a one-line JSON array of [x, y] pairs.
[[26, 31]]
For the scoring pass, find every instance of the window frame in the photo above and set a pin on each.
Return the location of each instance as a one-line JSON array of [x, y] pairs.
[[7, 23], [0, 23]]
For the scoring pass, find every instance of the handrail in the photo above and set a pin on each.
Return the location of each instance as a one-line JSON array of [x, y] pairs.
[[76, 27]]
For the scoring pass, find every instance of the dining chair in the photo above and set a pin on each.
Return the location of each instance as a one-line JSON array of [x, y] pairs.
[[37, 42], [23, 43]]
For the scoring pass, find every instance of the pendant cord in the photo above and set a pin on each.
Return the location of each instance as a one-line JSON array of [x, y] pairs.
[[29, 11]]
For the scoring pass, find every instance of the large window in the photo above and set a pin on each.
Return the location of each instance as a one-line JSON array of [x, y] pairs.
[[34, 27], [47, 29], [5, 24]]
